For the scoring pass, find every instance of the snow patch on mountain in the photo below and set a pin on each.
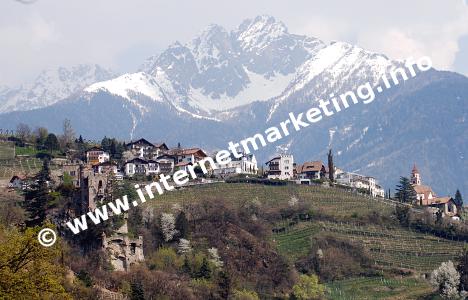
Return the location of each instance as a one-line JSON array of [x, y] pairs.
[[128, 86], [258, 89]]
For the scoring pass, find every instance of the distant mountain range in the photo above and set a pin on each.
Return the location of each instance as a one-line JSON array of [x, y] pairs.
[[51, 86], [228, 85]]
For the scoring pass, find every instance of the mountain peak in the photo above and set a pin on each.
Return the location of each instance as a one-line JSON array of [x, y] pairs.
[[259, 32]]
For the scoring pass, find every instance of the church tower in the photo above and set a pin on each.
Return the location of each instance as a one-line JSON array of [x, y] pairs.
[[415, 176]]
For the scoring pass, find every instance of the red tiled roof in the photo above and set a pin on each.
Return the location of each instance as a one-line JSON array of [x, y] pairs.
[[440, 200], [310, 166]]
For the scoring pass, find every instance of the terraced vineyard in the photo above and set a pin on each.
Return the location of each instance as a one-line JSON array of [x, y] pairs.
[[10, 167], [395, 247], [7, 150], [398, 247]]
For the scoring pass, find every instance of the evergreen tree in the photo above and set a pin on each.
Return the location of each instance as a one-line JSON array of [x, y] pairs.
[[113, 147], [51, 142], [81, 146], [37, 199], [458, 199], [205, 270], [224, 284], [137, 291], [402, 214], [106, 144], [182, 225], [405, 192]]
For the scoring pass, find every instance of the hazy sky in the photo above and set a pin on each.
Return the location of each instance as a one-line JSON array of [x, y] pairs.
[[120, 34]]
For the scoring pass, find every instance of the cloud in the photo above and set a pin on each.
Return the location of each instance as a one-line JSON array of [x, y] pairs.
[[121, 33], [439, 41]]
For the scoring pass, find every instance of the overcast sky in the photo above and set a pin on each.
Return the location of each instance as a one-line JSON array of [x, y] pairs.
[[120, 34]]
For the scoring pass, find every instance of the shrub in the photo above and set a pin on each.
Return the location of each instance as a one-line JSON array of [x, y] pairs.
[[165, 259], [245, 295], [308, 288]]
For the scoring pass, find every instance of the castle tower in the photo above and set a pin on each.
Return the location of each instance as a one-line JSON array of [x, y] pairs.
[[415, 176]]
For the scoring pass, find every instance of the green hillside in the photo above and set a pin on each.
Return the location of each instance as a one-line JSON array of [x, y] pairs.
[[341, 215]]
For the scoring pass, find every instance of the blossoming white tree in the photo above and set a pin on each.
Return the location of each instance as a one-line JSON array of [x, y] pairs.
[[168, 226], [184, 246], [446, 279], [215, 258]]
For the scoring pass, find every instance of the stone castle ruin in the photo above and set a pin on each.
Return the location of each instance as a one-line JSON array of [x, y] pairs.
[[93, 188]]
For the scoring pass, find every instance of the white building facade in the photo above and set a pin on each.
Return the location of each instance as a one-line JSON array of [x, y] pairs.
[[361, 182], [281, 167], [247, 164]]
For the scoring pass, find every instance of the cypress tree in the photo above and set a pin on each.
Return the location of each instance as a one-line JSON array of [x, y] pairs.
[[331, 167], [458, 199]]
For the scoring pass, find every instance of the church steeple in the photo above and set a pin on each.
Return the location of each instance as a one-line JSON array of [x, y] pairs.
[[415, 176]]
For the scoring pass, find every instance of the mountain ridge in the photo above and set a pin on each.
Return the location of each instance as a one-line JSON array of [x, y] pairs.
[[228, 85]]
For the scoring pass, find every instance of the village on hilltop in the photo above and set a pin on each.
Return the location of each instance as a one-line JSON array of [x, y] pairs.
[[95, 172]]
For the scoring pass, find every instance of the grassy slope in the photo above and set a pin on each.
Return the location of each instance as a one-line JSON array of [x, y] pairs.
[[395, 246], [378, 288]]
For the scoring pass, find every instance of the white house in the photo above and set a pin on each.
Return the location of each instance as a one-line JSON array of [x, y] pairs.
[[190, 155], [139, 166], [247, 164], [166, 163], [309, 171], [96, 156], [361, 182], [281, 167]]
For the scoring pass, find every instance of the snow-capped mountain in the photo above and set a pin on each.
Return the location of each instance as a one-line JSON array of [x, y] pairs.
[[227, 85], [50, 87], [259, 61]]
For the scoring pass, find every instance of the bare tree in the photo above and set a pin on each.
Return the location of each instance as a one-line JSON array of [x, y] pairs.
[[68, 136], [41, 134], [23, 132]]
